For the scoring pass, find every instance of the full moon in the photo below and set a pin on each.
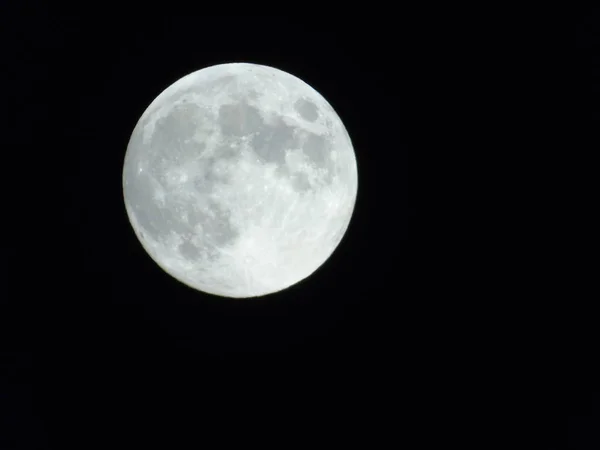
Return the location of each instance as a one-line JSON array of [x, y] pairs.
[[240, 180]]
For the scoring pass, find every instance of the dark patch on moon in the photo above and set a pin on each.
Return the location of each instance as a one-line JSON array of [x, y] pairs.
[[172, 140], [307, 109], [179, 125], [225, 151], [271, 142], [196, 147], [316, 149], [239, 119], [252, 94], [203, 183], [189, 250], [219, 227], [300, 182]]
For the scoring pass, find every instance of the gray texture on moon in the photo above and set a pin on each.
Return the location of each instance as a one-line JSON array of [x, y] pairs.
[[240, 180]]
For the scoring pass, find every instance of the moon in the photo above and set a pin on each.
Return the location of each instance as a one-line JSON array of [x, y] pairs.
[[240, 180]]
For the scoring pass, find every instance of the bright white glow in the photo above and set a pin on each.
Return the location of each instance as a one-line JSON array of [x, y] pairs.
[[240, 180]]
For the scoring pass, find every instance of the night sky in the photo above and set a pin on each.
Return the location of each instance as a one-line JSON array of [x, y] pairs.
[[401, 330]]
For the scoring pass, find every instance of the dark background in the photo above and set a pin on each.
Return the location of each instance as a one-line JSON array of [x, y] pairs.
[[99, 344], [430, 332], [579, 325]]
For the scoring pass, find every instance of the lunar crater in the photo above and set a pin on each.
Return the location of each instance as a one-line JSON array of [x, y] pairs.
[[307, 109]]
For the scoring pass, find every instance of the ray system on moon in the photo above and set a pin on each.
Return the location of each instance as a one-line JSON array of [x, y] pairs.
[[240, 180]]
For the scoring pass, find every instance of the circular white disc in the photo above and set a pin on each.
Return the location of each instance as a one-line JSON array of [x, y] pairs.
[[240, 180]]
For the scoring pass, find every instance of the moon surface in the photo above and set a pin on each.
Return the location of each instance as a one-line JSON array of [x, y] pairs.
[[240, 180]]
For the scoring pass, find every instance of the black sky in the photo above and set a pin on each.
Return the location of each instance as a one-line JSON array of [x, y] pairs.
[[401, 330]]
